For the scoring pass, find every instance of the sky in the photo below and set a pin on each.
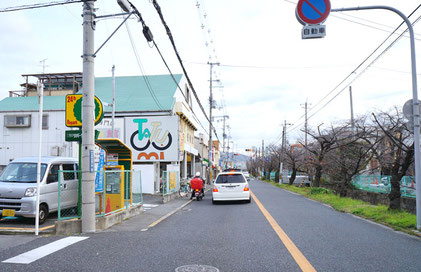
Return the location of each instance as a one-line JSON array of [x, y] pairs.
[[267, 72]]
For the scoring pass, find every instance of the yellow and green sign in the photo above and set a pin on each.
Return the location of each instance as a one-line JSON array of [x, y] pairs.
[[74, 110]]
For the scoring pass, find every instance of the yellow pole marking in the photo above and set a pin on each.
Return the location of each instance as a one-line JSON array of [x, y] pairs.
[[11, 228], [295, 252]]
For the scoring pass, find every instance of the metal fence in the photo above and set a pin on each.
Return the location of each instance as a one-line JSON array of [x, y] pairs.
[[170, 181], [111, 195], [381, 184]]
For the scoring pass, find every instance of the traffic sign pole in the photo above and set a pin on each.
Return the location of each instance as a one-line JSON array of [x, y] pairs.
[[416, 104]]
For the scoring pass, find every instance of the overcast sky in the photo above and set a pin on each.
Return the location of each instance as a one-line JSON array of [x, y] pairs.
[[267, 71]]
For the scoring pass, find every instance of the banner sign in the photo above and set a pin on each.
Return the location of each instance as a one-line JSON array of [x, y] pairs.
[[152, 138]]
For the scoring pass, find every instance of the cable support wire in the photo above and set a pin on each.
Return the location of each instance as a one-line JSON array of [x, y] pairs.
[[175, 81], [158, 9], [40, 5], [358, 67], [139, 63]]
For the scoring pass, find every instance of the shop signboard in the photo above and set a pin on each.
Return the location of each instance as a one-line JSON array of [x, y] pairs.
[[152, 138]]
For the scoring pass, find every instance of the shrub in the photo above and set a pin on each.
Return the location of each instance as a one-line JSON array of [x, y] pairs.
[[319, 190]]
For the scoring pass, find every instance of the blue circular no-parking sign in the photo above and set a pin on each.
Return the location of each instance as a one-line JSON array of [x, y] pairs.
[[312, 12]]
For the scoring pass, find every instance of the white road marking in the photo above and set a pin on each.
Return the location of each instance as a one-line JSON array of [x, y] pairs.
[[150, 205], [38, 253]]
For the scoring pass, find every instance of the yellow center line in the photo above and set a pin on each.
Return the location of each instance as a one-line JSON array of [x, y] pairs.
[[293, 250]]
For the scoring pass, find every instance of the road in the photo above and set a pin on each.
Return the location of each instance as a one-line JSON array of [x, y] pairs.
[[303, 235]]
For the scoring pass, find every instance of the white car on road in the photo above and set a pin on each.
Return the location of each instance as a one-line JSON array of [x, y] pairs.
[[231, 186]]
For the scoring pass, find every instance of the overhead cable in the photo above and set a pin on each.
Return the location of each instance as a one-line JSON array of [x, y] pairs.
[[158, 9], [40, 5]]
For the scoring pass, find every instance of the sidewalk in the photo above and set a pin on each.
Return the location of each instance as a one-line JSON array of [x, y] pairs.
[[154, 212]]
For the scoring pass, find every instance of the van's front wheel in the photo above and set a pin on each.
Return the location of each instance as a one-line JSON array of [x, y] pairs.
[[43, 213]]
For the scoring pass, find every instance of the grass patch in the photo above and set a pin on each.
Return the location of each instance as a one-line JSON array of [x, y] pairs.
[[398, 220]]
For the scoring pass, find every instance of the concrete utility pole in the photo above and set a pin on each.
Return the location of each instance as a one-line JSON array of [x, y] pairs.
[[352, 112], [113, 112], [284, 135], [263, 157], [211, 64], [416, 112], [305, 130], [88, 117], [223, 137]]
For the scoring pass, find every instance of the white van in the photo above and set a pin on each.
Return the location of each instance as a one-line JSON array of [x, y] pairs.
[[18, 183]]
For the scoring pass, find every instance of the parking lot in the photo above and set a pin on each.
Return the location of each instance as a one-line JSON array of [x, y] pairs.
[[16, 225]]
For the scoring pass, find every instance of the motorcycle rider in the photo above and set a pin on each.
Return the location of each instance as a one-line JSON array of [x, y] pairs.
[[197, 183]]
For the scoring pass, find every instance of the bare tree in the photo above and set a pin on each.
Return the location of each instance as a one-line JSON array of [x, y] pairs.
[[323, 142], [395, 152], [352, 154], [294, 160]]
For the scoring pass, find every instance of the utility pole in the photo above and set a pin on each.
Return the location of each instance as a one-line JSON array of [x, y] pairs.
[[263, 157], [352, 112], [211, 64], [284, 135], [113, 112], [223, 136], [88, 116], [306, 131], [43, 65]]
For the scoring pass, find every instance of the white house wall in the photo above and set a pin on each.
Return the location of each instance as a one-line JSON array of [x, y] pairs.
[[20, 142]]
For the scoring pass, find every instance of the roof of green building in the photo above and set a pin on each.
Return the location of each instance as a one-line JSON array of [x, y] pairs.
[[132, 93]]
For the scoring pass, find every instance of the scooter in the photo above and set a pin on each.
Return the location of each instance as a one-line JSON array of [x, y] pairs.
[[198, 194]]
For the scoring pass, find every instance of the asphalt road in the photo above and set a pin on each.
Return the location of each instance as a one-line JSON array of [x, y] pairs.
[[233, 237]]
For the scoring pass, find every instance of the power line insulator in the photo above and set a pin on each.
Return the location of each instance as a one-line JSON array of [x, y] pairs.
[[148, 34]]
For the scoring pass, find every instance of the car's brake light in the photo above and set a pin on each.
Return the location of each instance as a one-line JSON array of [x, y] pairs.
[[246, 188], [215, 189]]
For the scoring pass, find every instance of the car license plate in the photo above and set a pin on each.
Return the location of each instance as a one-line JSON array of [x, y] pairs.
[[8, 212]]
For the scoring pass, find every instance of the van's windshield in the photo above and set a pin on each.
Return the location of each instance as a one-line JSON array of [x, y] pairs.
[[22, 172]]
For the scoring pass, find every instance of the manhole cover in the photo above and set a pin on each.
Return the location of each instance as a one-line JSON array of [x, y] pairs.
[[196, 268]]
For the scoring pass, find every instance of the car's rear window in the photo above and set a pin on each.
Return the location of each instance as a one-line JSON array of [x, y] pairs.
[[233, 178]]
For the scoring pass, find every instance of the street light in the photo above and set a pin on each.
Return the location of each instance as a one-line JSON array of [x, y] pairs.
[[415, 102]]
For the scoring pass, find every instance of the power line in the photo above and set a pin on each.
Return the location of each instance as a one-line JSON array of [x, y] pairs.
[[139, 63], [272, 67], [169, 34], [40, 5]]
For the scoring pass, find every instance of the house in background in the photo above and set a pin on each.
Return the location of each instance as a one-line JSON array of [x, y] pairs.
[[153, 117]]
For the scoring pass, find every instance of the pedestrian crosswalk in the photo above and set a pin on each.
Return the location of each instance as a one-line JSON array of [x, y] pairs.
[[40, 252]]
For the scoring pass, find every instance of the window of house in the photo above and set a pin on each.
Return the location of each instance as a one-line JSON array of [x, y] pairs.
[[45, 121], [17, 120]]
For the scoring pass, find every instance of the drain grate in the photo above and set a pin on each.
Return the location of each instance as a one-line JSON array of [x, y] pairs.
[[196, 268]]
